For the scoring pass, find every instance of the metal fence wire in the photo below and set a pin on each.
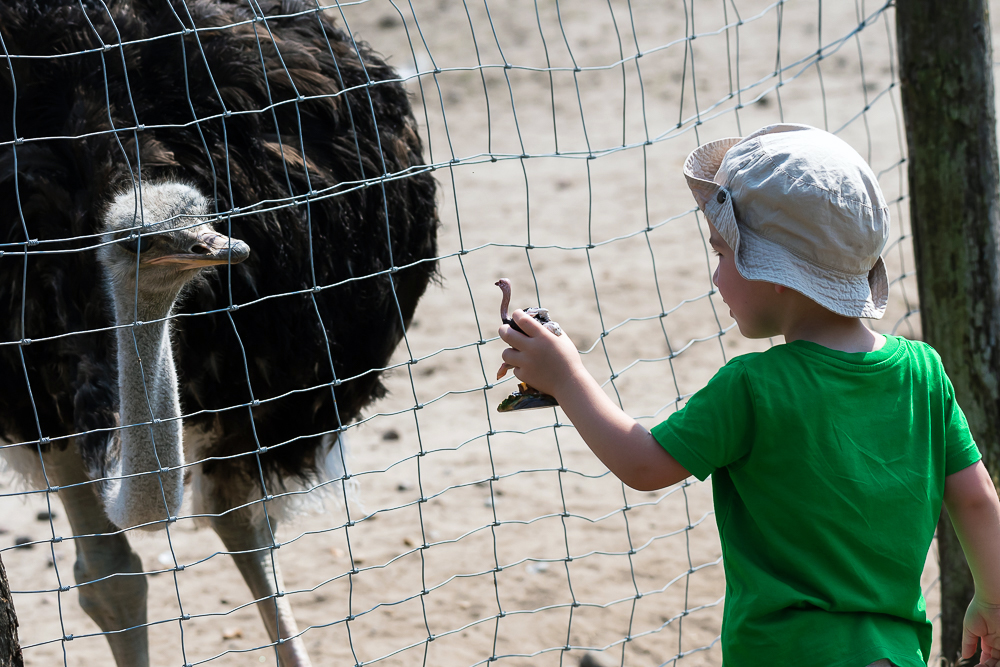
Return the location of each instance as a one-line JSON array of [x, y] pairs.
[[446, 533]]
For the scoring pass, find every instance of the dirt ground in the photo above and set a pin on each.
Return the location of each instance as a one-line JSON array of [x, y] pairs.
[[568, 181]]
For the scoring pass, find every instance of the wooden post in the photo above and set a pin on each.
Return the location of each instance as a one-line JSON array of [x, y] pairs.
[[10, 649], [946, 75]]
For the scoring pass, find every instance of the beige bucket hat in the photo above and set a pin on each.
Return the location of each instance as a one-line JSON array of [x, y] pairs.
[[800, 208]]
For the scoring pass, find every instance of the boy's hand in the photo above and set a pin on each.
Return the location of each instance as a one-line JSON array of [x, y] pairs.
[[540, 359], [982, 621], [552, 364]]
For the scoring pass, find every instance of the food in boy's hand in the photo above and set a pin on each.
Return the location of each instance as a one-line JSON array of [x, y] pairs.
[[525, 398]]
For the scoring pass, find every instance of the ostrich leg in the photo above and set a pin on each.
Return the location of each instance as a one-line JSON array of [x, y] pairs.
[[247, 537], [115, 603]]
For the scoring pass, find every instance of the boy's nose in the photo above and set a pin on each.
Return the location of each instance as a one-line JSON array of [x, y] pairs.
[[715, 277]]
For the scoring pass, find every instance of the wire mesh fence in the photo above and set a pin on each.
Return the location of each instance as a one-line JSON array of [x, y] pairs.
[[555, 133]]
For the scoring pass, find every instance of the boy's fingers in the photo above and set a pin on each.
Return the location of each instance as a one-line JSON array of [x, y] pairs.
[[969, 643], [510, 335], [509, 357], [528, 324]]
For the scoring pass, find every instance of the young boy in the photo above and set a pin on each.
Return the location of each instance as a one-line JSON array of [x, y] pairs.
[[830, 455]]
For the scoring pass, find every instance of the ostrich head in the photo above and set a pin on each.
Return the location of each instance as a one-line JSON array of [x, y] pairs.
[[164, 243]]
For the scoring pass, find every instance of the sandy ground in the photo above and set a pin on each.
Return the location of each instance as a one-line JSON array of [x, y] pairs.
[[535, 553]]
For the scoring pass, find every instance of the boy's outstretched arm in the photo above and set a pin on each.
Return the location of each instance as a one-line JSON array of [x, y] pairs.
[[974, 509], [552, 364]]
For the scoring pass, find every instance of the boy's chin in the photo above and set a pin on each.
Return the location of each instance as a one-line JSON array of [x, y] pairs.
[[749, 331]]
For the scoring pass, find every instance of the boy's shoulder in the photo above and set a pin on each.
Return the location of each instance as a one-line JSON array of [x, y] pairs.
[[896, 348]]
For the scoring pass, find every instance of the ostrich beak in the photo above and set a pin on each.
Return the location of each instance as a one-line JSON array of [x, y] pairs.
[[209, 248]]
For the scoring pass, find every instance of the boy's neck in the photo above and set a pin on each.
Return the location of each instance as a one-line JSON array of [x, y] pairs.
[[820, 326]]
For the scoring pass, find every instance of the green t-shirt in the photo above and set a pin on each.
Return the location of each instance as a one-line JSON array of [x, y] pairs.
[[828, 476]]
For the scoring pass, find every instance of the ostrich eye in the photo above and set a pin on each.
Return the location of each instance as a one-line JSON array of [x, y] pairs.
[[132, 242]]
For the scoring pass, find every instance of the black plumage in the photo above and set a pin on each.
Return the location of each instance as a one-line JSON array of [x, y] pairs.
[[239, 109]]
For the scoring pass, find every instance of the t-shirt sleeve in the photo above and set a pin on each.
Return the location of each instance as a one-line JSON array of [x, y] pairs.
[[960, 448], [716, 426]]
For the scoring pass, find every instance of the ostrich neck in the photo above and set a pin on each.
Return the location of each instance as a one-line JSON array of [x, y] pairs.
[[147, 380], [147, 387]]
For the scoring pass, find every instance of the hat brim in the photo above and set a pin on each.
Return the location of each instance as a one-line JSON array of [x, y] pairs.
[[846, 294], [703, 164]]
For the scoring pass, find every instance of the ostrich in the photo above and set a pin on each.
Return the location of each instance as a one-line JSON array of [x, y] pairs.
[[127, 126], [525, 398]]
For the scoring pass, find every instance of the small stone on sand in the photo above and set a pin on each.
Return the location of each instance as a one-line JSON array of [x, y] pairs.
[[591, 660]]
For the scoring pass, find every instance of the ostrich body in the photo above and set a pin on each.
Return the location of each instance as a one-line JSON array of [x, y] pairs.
[[525, 398], [262, 118]]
